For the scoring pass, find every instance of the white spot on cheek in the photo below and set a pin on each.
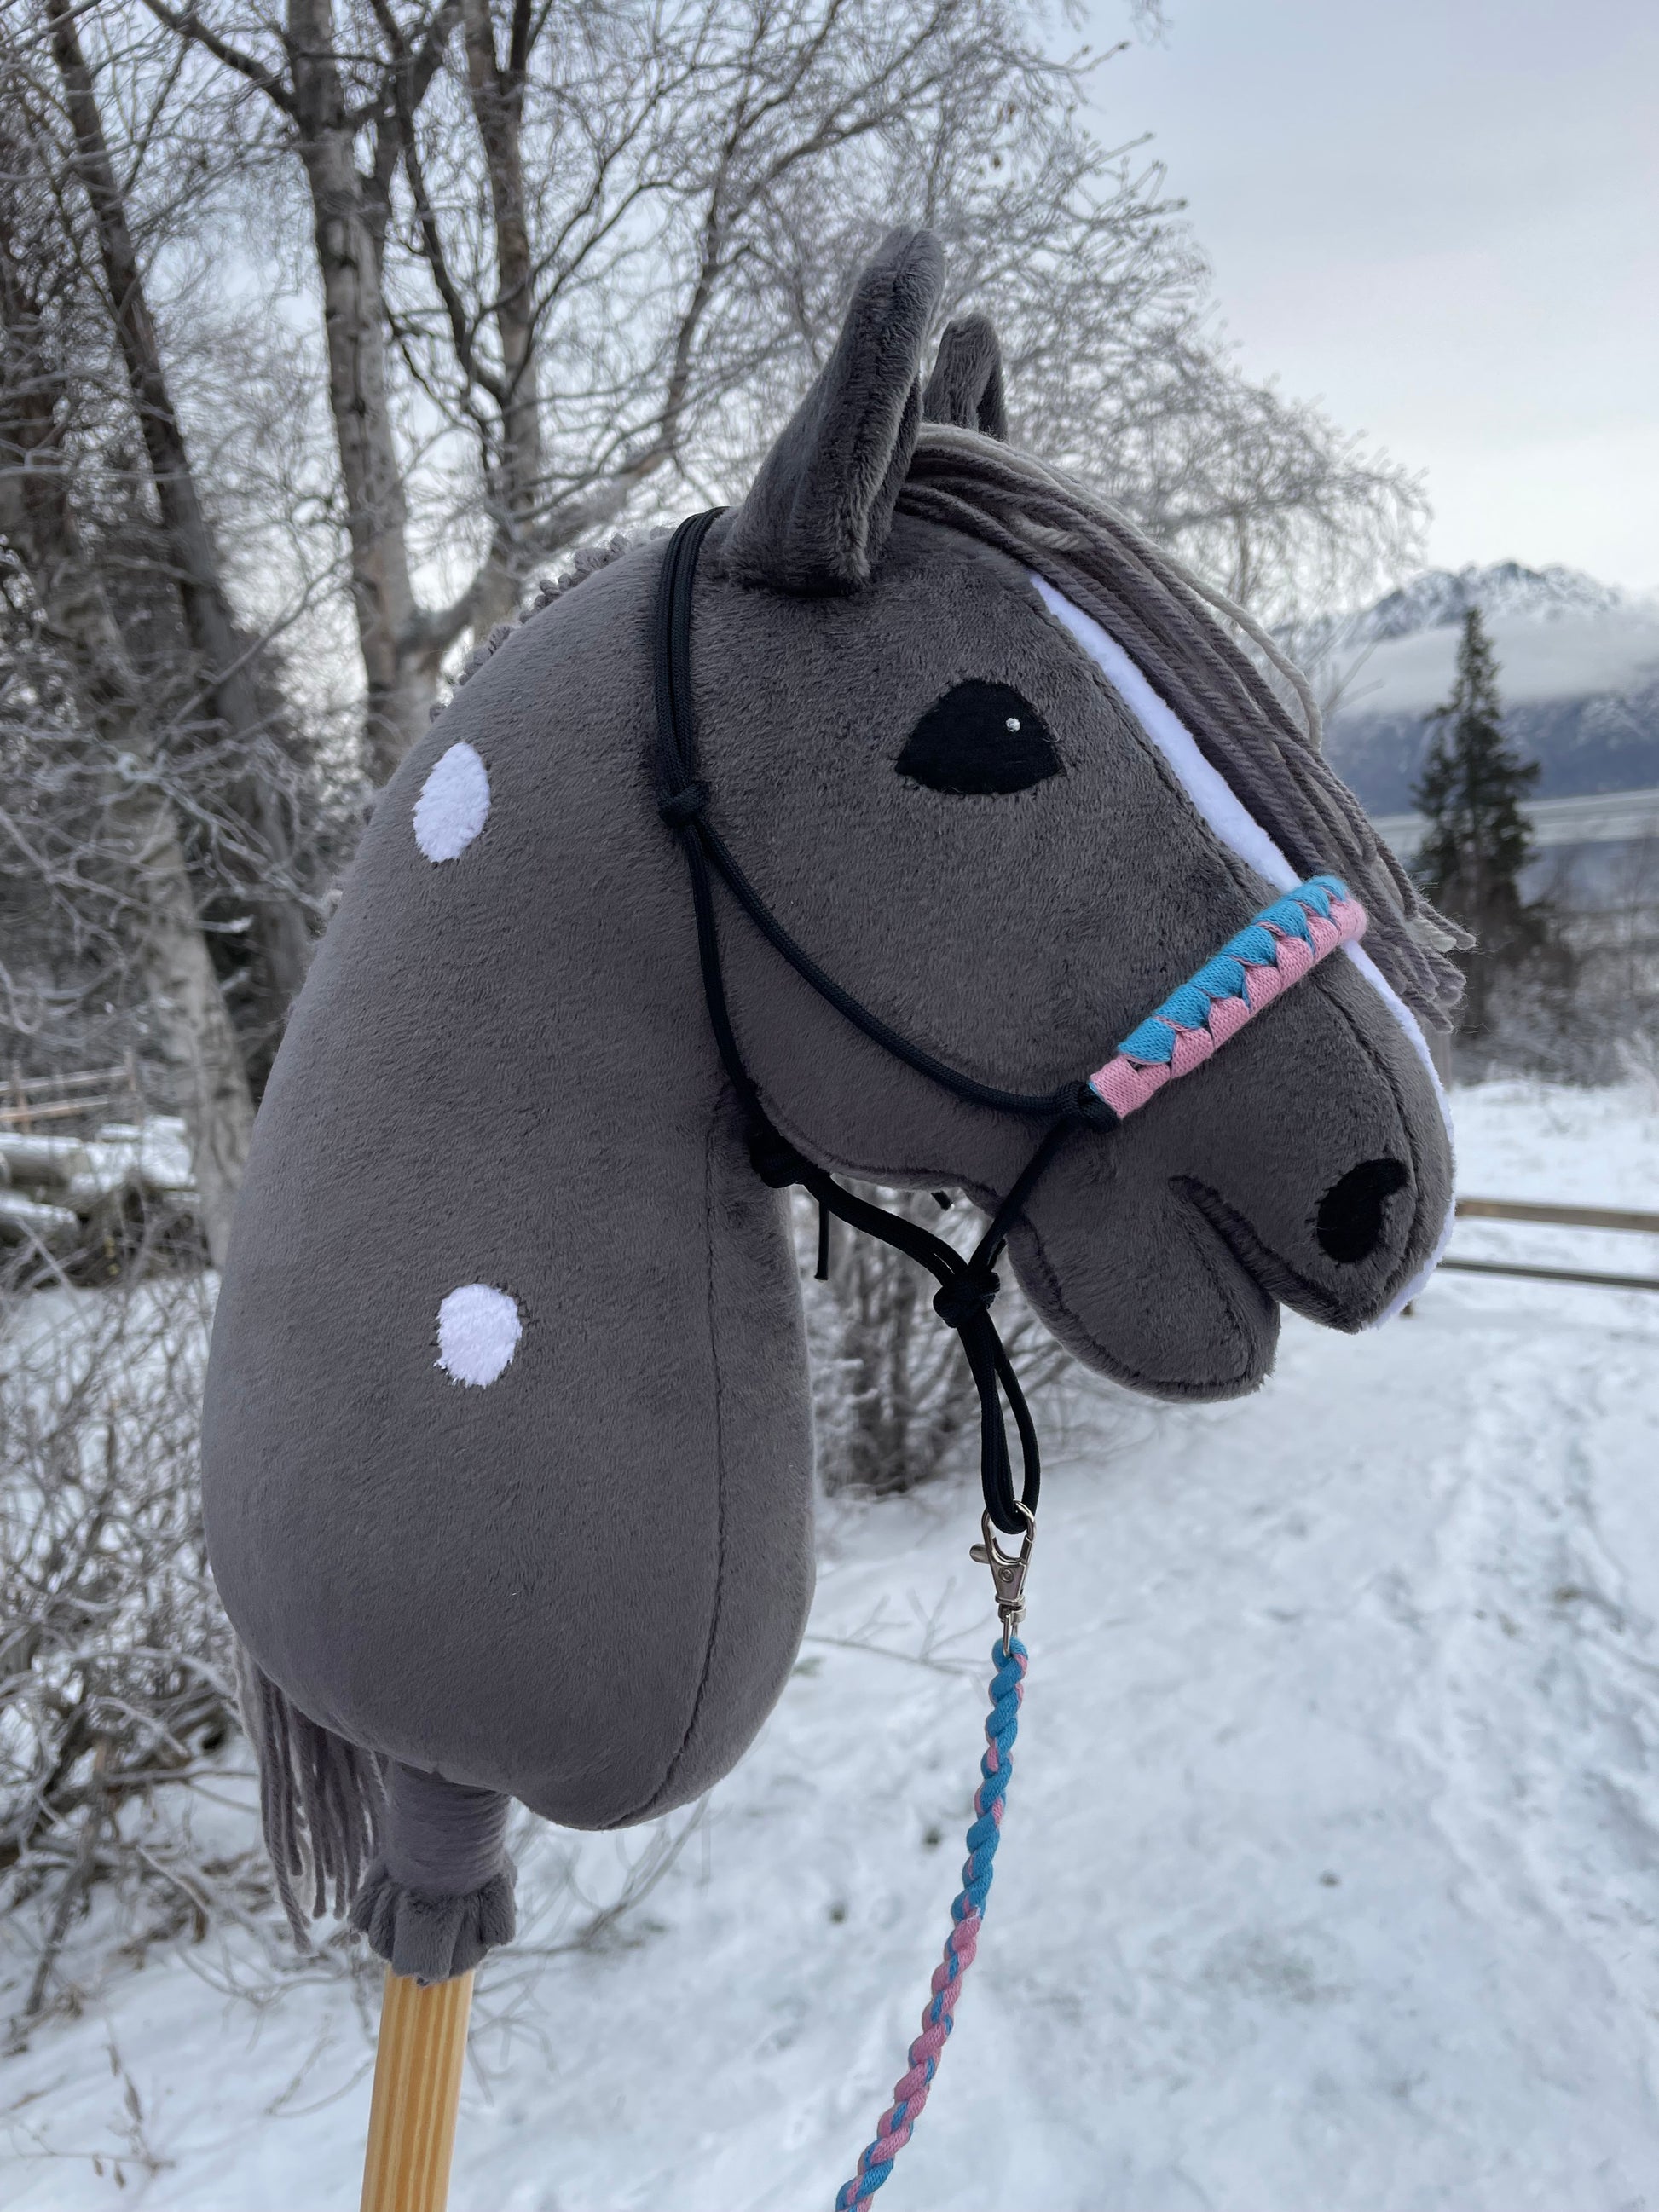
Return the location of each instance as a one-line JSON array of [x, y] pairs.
[[479, 1332], [454, 804]]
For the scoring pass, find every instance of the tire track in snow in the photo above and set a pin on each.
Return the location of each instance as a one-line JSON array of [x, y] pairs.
[[1540, 1702]]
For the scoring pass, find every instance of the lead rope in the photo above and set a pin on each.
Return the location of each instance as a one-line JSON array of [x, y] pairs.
[[1008, 1657]]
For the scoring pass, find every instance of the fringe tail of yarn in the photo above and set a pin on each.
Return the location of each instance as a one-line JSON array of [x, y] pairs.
[[322, 1801]]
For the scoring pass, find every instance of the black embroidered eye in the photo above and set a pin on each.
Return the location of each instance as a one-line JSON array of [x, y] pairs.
[[980, 738]]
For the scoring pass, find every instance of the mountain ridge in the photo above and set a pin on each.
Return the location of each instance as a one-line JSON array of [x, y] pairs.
[[1577, 673], [1441, 597]]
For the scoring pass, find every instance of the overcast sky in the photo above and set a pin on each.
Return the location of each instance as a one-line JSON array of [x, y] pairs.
[[1440, 217]]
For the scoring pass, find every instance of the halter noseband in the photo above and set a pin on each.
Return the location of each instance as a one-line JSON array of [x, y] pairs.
[[1279, 947]]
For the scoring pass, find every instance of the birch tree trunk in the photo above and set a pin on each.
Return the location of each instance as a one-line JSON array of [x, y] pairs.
[[197, 1038], [400, 664], [38, 520], [497, 95], [284, 941]]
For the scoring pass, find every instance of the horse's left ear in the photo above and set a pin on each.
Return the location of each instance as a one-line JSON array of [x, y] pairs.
[[817, 515], [966, 386]]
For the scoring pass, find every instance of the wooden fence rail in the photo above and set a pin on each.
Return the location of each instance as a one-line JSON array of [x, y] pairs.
[[1555, 1217], [27, 1100]]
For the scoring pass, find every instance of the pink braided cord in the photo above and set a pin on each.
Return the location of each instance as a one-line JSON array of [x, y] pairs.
[[894, 2128], [1127, 1081]]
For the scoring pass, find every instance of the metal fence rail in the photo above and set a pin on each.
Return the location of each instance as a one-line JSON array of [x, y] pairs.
[[1555, 1217]]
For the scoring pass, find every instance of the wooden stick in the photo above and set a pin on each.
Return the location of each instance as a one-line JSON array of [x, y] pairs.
[[417, 2086]]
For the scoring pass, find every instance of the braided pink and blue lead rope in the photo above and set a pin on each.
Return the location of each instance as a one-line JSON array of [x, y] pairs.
[[894, 2128]]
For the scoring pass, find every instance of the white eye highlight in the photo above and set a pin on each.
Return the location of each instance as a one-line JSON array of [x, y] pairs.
[[479, 1332], [454, 804], [1012, 722]]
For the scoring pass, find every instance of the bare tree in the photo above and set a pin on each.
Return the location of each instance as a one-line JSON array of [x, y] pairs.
[[115, 1674], [575, 263], [330, 92], [144, 885], [663, 142], [228, 658]]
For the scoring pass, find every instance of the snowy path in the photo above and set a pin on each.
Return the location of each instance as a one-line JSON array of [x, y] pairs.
[[1329, 1879]]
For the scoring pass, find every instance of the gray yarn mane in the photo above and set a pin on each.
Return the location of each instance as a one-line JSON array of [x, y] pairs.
[[1156, 612]]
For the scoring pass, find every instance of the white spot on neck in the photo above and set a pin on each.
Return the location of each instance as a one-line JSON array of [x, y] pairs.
[[479, 1332], [454, 804]]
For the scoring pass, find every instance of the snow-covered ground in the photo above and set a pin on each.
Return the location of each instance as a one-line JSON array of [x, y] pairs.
[[1330, 1878]]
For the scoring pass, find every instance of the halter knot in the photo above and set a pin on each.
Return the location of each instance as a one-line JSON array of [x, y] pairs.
[[1081, 1103], [972, 1291], [681, 807], [774, 1158]]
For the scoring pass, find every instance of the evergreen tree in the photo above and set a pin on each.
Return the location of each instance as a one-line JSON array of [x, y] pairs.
[[1477, 840]]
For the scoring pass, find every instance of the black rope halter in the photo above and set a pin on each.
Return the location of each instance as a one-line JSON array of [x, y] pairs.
[[968, 1287]]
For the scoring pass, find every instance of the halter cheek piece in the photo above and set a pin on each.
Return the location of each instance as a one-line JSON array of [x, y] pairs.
[[1278, 948]]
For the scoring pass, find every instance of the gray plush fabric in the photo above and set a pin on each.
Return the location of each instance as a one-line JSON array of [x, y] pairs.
[[965, 388], [582, 1583], [430, 1935], [817, 514], [440, 1894]]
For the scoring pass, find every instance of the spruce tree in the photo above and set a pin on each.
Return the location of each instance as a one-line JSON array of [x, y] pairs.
[[1477, 840]]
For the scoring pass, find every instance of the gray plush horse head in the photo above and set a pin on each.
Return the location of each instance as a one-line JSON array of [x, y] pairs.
[[506, 1447]]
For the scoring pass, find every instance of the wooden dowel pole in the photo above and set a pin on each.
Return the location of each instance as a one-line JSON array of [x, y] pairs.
[[417, 2086]]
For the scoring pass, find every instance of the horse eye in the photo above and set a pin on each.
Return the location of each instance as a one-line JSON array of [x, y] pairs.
[[980, 738]]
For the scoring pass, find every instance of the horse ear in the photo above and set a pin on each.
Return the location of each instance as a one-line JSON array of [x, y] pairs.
[[966, 386], [817, 515]]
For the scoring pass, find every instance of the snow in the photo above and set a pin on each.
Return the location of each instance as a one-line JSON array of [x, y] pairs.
[[150, 1155], [154, 1152], [1328, 1876]]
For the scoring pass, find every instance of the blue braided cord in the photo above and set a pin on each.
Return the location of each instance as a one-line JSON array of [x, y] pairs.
[[1253, 944], [1223, 977], [1289, 917], [1001, 1727], [1189, 1006], [1154, 1040]]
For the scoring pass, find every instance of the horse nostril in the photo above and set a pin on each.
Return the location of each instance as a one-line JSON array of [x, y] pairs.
[[1349, 1224]]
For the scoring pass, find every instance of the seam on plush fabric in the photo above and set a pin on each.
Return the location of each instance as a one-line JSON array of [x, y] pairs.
[[1134, 1378], [1218, 806], [678, 1758], [1224, 1267]]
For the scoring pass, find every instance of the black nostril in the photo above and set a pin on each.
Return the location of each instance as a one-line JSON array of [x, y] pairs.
[[1349, 1224]]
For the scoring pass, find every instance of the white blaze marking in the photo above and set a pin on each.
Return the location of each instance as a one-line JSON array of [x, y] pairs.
[[452, 805], [479, 1332]]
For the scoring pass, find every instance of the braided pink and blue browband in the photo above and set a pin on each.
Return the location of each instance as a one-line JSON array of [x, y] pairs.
[[1274, 951]]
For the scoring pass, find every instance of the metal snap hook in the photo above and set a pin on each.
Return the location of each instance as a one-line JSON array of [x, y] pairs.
[[1008, 1570]]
